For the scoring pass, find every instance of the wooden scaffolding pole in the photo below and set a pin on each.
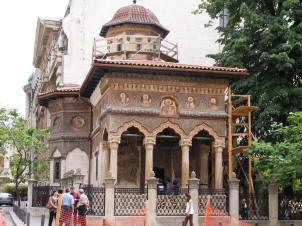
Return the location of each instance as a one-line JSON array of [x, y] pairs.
[[230, 140]]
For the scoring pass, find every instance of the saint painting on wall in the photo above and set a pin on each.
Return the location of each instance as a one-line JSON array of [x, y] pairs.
[[168, 107], [146, 100], [213, 103], [190, 102], [124, 98]]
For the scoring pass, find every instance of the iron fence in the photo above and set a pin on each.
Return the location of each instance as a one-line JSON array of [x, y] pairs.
[[130, 201], [290, 206], [20, 213], [219, 201], [254, 206], [96, 196], [41, 195], [173, 204]]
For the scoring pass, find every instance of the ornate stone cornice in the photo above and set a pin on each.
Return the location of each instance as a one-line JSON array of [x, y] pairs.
[[56, 137], [199, 114], [185, 142], [150, 140]]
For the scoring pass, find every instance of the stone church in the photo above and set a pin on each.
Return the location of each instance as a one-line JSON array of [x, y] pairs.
[[137, 110]]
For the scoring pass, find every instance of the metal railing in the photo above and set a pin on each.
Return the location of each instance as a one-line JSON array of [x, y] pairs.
[[257, 206], [41, 195], [21, 213], [290, 206], [96, 196]]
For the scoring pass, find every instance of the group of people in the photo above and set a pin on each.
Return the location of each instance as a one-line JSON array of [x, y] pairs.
[[72, 204], [168, 189]]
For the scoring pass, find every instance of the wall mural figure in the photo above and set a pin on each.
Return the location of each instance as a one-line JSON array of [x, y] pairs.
[[190, 102], [146, 100], [213, 103], [168, 107], [124, 98]]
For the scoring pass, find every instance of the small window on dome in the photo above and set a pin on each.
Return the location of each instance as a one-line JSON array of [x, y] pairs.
[[128, 38], [138, 47], [119, 47]]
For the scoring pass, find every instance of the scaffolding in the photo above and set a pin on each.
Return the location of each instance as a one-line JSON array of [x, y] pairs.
[[239, 119]]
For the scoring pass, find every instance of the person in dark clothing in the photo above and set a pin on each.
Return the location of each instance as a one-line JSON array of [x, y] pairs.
[[160, 188], [244, 210], [175, 189], [169, 187]]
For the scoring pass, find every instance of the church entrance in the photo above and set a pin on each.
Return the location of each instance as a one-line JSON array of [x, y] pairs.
[[167, 156]]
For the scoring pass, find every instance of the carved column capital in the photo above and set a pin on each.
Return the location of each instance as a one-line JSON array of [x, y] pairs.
[[150, 140], [185, 142], [105, 145], [114, 139], [220, 143]]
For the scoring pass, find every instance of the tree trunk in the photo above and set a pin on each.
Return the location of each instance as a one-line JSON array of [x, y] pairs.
[[18, 194]]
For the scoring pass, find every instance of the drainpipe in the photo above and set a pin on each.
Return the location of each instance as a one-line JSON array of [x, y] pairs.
[[89, 137]]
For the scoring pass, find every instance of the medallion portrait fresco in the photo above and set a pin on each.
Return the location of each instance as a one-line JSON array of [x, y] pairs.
[[146, 100], [213, 103], [168, 107], [190, 103], [78, 122], [123, 98]]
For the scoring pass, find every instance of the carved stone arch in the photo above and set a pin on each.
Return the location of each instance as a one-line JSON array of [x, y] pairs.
[[205, 127], [56, 153], [171, 125], [132, 123], [104, 133]]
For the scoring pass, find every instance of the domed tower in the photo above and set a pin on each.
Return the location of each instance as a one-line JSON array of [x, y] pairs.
[[135, 33]]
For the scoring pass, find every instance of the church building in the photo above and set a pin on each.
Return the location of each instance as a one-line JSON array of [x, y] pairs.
[[138, 110]]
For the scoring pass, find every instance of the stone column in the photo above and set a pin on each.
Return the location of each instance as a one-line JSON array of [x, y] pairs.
[[109, 197], [149, 145], [152, 197], [51, 170], [114, 143], [31, 184], [185, 162], [234, 197], [219, 145], [63, 167], [106, 158], [273, 204], [204, 168], [194, 186]]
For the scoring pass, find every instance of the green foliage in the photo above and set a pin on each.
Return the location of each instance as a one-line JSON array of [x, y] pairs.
[[281, 160], [23, 143], [265, 38], [12, 190]]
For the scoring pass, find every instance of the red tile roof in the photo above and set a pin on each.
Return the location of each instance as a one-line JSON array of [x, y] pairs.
[[133, 14], [57, 91], [156, 64]]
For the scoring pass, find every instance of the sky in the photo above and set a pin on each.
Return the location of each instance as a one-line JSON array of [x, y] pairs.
[[18, 20]]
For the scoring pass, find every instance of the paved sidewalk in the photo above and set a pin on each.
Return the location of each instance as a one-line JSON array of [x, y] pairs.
[[36, 221]]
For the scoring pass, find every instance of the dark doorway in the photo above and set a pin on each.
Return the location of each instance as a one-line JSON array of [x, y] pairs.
[[159, 173]]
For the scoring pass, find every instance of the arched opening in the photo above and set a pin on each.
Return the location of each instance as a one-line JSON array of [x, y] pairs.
[[167, 156], [202, 158], [131, 159]]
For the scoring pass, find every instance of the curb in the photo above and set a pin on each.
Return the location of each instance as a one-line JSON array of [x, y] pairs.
[[15, 219]]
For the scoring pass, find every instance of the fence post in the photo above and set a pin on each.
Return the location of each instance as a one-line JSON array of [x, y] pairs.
[[273, 204], [234, 196], [193, 187], [152, 193], [28, 219], [31, 184], [42, 219], [109, 197]]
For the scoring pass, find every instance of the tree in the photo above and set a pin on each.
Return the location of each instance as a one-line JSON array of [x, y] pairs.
[[263, 36], [281, 160], [23, 143]]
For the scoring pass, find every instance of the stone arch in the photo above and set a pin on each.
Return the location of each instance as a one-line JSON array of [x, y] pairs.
[[132, 123], [78, 159], [56, 153], [206, 127], [171, 125]]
